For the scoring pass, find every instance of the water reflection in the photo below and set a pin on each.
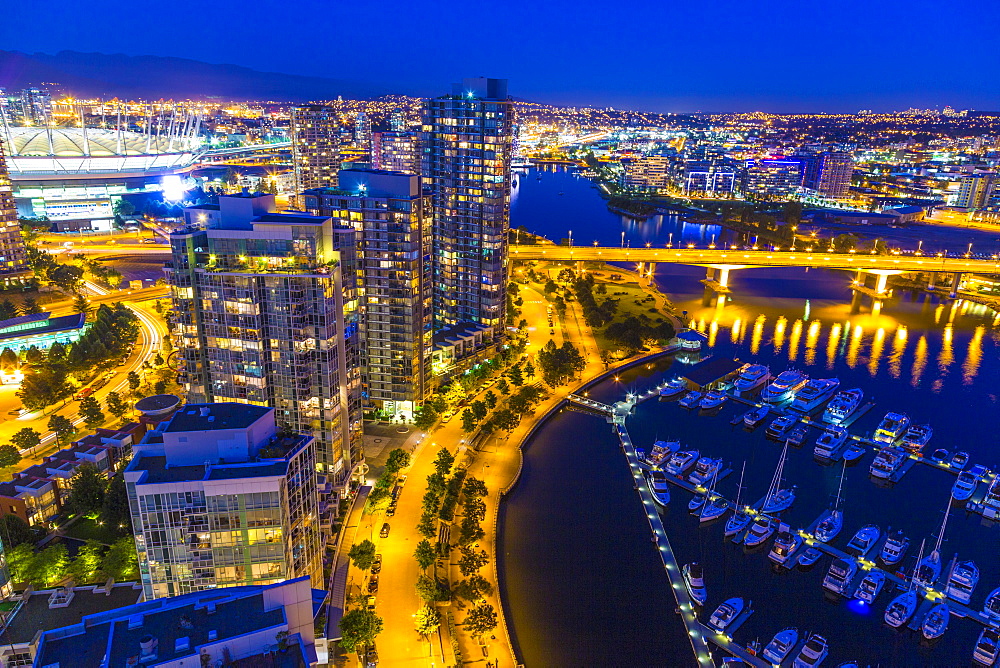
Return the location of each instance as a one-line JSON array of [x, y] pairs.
[[758, 332], [898, 348], [919, 361], [974, 356], [832, 345]]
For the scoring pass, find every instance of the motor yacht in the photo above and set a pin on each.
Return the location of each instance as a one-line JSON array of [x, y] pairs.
[[987, 647], [959, 460], [661, 452], [726, 613], [917, 437], [829, 443], [992, 605], [781, 644], [895, 548], [964, 486], [901, 609], [713, 399], [813, 653], [785, 543], [780, 425], [843, 406], [839, 576], [755, 416], [714, 509], [887, 461], [691, 399], [694, 582], [784, 386], [891, 428], [814, 393], [936, 621], [737, 523], [681, 461], [696, 502], [759, 531], [854, 452], [870, 586], [673, 388], [797, 436], [809, 556], [659, 486], [962, 581], [704, 470], [940, 456], [751, 377], [991, 500], [829, 526], [863, 541]]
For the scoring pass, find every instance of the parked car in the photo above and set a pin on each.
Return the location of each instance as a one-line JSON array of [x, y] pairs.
[[384, 533]]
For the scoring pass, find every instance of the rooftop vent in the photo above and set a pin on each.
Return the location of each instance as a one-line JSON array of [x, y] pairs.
[[211, 608], [182, 644], [134, 622], [205, 411], [213, 634]]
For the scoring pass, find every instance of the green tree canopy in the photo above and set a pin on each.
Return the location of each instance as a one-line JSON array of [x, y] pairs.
[[121, 561], [9, 456], [63, 428], [87, 490], [363, 554], [44, 386], [115, 511], [481, 620], [359, 628], [14, 531], [424, 554]]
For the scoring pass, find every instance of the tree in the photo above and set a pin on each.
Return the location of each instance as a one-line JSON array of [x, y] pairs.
[[82, 305], [491, 400], [30, 307], [57, 352], [475, 508], [121, 561], [62, 427], [117, 405], [33, 356], [8, 310], [844, 242], [87, 490], [529, 368], [363, 554], [427, 620], [443, 462], [481, 620], [359, 628], [66, 277], [398, 460], [19, 561], [549, 287], [9, 456], [472, 560], [475, 588], [50, 565], [479, 410], [468, 420], [26, 439], [424, 554], [516, 375], [133, 381], [44, 386], [425, 417], [87, 562], [470, 531], [430, 590], [14, 531], [502, 387], [90, 409], [427, 527], [9, 360], [474, 487], [506, 420], [115, 511]]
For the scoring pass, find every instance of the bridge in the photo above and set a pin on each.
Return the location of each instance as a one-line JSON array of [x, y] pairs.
[[720, 261]]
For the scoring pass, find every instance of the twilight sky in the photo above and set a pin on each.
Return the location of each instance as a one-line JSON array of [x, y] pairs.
[[660, 55]]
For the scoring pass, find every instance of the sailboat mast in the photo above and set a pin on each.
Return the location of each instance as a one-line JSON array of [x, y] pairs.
[[840, 487], [739, 490], [944, 523], [920, 557]]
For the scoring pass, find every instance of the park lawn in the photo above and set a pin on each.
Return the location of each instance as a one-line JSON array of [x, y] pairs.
[[627, 306], [87, 529]]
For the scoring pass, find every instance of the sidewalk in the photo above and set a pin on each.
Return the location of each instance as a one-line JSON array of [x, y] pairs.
[[341, 565]]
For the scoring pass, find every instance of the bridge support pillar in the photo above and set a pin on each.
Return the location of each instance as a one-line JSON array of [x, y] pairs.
[[880, 283], [640, 268], [860, 278], [724, 277], [710, 274], [956, 280], [652, 270], [932, 281]]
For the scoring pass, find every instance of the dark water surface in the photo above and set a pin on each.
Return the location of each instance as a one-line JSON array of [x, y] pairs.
[[583, 583]]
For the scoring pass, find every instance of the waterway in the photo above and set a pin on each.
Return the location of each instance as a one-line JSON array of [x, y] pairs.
[[582, 581]]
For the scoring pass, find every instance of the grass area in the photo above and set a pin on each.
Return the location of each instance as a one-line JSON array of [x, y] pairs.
[[87, 529]]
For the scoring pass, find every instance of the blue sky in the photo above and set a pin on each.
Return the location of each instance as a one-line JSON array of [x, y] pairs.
[[666, 55]]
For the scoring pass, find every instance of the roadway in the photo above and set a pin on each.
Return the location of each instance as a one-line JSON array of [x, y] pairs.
[[736, 258]]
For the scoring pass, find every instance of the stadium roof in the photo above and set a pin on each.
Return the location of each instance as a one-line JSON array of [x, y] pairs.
[[95, 142]]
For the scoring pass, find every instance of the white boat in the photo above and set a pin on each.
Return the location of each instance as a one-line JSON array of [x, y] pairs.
[[940, 456], [785, 543], [991, 500], [681, 461], [839, 575], [891, 428], [854, 452], [713, 399], [887, 461], [780, 425], [870, 586], [901, 609], [704, 470], [782, 387], [813, 653], [987, 647], [843, 406], [917, 437], [962, 581], [798, 436], [696, 502], [959, 460], [714, 509], [895, 547], [929, 568], [781, 644], [936, 621], [661, 452], [754, 417], [814, 393], [829, 443], [690, 400], [740, 518], [832, 522], [964, 486], [863, 541], [809, 556], [778, 498], [759, 531], [659, 486], [673, 388], [992, 605], [694, 582], [751, 377], [725, 614]]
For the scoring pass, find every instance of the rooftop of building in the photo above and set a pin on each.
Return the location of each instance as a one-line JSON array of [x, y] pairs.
[[157, 403], [33, 614], [157, 471], [460, 330], [291, 218], [41, 323], [209, 417]]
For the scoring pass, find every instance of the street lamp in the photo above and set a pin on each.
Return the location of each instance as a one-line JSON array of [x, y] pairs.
[[623, 238]]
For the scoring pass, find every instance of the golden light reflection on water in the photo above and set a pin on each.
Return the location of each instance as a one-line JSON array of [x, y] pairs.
[[947, 354], [758, 332], [812, 338], [854, 347], [779, 334], [898, 348], [937, 314], [974, 356], [832, 344], [919, 361], [793, 340], [713, 330], [876, 353]]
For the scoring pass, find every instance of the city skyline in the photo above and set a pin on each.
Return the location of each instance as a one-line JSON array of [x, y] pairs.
[[826, 57]]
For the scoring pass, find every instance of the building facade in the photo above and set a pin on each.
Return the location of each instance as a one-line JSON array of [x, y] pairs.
[[262, 318], [467, 148], [317, 138], [219, 497], [648, 173], [978, 190], [392, 218], [396, 152], [12, 254], [833, 179], [771, 179]]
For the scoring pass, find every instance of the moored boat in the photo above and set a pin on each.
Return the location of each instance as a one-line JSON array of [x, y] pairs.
[[725, 614], [854, 452], [987, 647], [751, 377], [797, 436], [780, 425], [713, 399], [661, 452], [704, 470], [782, 387], [809, 556], [813, 653], [755, 416], [714, 509], [870, 586], [863, 540], [843, 406], [895, 547], [901, 609], [992, 605], [682, 461], [781, 644], [697, 501], [959, 460], [887, 461], [694, 582], [659, 486], [829, 443], [673, 388], [759, 531], [964, 486], [690, 400], [891, 428], [839, 575], [785, 543], [936, 621], [917, 437], [962, 581], [829, 526], [940, 456], [814, 393]]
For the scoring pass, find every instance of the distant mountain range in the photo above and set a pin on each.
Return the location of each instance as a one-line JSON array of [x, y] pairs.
[[155, 77]]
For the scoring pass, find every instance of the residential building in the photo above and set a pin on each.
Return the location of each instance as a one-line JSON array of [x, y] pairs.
[[771, 178], [647, 173], [13, 257], [263, 318], [363, 132], [833, 178], [709, 179], [467, 148], [977, 190], [392, 218], [219, 497], [36, 105], [269, 625], [316, 132], [396, 152]]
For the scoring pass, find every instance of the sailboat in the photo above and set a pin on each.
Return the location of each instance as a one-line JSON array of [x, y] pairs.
[[778, 499], [830, 525], [904, 605], [929, 568], [714, 506], [740, 519]]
